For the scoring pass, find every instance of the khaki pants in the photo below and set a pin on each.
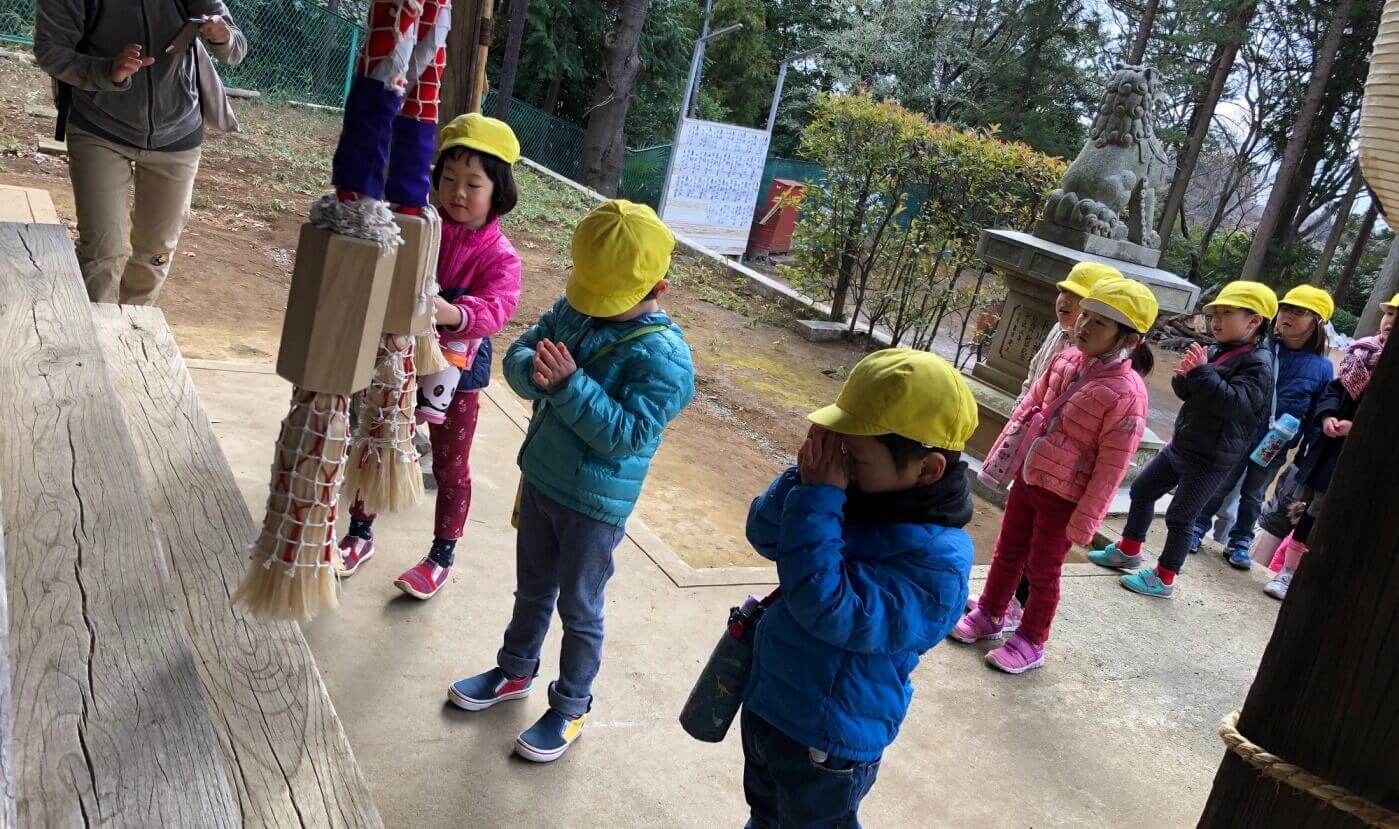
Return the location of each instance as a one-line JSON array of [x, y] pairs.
[[125, 253]]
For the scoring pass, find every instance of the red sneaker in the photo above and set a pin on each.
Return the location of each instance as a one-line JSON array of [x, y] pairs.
[[424, 579], [354, 552]]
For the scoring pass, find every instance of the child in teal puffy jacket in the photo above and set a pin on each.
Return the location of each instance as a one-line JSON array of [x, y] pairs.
[[873, 564], [606, 370]]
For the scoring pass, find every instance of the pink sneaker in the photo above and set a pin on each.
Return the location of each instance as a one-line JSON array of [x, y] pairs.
[[1014, 613], [424, 579], [976, 626], [1017, 655], [354, 552]]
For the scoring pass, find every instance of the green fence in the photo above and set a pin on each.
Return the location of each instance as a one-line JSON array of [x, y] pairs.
[[544, 139], [17, 21]]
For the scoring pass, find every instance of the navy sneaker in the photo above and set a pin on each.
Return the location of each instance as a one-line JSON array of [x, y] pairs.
[[550, 737], [477, 693], [1240, 558]]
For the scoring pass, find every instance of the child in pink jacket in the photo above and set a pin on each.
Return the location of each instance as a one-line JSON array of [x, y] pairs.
[[1094, 406], [478, 274]]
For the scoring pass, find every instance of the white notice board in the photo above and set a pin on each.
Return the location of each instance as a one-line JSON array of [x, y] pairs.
[[713, 185]]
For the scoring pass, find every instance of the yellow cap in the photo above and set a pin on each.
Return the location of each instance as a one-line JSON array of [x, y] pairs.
[[1251, 296], [1393, 303], [1085, 275], [488, 135], [1313, 299], [620, 251], [1124, 300], [912, 394]]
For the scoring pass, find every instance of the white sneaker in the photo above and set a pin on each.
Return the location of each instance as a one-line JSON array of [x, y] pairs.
[[1277, 585]]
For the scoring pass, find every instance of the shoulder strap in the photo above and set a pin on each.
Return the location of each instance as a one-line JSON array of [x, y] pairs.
[[1091, 372], [634, 334], [1277, 368], [1232, 353]]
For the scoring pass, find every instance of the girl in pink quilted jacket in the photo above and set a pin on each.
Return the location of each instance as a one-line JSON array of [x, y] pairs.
[[1090, 408], [478, 275]]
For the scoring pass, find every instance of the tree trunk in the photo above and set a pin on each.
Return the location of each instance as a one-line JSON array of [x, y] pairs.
[[1294, 206], [511, 59], [1221, 64], [456, 75], [1143, 33], [604, 148], [1323, 698], [1338, 229], [1297, 142], [485, 33], [1362, 241], [551, 98], [1386, 286]]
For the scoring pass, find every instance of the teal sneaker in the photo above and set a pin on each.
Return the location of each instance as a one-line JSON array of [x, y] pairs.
[[1147, 583], [550, 737], [1114, 558]]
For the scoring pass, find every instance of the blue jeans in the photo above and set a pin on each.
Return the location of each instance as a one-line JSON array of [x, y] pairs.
[[787, 788], [563, 557], [1256, 480]]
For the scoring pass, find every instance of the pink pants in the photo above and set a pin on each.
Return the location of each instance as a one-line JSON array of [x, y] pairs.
[[451, 466], [1034, 540]]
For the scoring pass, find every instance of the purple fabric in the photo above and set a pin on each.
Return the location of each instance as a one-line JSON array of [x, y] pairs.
[[362, 156], [1360, 360], [410, 162]]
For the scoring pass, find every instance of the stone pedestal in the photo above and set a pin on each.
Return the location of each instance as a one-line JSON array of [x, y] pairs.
[[1031, 267]]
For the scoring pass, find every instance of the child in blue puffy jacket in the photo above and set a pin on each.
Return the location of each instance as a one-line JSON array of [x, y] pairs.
[[606, 370], [873, 565]]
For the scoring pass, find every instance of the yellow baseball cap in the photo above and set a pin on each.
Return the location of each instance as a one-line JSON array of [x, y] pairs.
[[1124, 300], [899, 391], [1311, 298], [1085, 275], [1393, 303], [1251, 296], [620, 251], [491, 136]]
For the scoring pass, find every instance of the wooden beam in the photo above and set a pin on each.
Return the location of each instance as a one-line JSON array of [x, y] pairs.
[[287, 755], [26, 205], [8, 819], [110, 721], [1324, 696]]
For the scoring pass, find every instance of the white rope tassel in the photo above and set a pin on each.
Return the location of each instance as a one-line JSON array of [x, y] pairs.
[[383, 471]]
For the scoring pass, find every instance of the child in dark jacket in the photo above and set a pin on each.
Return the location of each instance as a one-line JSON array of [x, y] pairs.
[[1298, 349], [873, 563], [1316, 462], [1226, 392]]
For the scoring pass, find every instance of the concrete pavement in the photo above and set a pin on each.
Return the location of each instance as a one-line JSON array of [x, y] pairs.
[[1117, 730]]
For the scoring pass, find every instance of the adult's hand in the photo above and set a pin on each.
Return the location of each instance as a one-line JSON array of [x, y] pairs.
[[215, 30], [128, 63]]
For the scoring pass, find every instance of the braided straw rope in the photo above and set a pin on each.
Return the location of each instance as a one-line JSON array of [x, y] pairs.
[[1371, 814]]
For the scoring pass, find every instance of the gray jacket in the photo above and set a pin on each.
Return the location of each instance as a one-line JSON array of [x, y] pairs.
[[157, 106]]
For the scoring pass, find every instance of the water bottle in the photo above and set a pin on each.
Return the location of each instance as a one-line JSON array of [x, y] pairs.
[[1278, 437]]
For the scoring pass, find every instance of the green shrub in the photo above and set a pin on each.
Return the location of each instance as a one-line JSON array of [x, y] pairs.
[[1344, 321]]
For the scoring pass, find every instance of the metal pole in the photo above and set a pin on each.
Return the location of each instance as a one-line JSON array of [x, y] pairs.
[[781, 79], [699, 70], [685, 104]]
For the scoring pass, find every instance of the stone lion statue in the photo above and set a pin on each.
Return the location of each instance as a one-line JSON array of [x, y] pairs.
[[1119, 167]]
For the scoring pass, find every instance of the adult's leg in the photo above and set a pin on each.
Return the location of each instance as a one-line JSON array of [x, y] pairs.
[[1048, 549], [1155, 481], [101, 174], [536, 587], [451, 463], [585, 566], [164, 185], [1196, 486], [1012, 550]]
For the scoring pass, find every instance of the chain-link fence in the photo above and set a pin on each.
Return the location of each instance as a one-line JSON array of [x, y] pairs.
[[544, 139], [17, 21]]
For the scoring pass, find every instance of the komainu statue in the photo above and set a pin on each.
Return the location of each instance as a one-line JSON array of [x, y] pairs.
[[1119, 167]]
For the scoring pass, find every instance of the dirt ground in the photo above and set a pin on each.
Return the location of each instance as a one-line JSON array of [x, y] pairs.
[[227, 294]]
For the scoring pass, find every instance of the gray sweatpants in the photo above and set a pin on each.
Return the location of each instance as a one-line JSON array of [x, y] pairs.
[[564, 557]]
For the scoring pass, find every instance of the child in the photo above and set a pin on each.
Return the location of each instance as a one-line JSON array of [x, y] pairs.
[[606, 370], [1316, 463], [1298, 349], [479, 276], [1226, 392], [1072, 289], [873, 563], [1096, 405]]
